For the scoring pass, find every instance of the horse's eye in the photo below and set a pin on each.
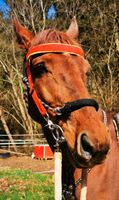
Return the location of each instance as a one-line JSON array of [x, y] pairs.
[[39, 69]]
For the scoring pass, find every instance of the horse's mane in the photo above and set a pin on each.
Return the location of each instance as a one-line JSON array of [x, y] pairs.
[[52, 36]]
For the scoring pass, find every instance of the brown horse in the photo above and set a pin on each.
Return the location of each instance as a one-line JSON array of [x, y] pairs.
[[56, 71]]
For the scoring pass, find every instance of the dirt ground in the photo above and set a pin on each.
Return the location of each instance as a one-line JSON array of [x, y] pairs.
[[25, 162]]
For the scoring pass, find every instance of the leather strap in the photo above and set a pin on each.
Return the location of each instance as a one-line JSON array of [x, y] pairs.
[[55, 47], [32, 92]]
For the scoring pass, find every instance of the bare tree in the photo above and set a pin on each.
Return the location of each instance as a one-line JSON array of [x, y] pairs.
[[98, 34]]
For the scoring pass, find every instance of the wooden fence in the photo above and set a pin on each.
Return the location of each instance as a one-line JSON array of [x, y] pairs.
[[23, 143]]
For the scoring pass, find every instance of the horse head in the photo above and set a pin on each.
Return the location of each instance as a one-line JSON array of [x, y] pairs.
[[59, 77]]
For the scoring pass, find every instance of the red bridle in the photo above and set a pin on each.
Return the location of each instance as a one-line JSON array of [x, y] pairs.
[[42, 49]]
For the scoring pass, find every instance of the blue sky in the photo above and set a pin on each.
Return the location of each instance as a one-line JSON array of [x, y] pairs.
[[3, 7], [51, 12]]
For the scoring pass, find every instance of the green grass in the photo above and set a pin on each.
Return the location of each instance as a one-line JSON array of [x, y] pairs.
[[25, 185]]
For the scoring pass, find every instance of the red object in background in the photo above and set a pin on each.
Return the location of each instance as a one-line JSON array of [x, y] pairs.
[[43, 152]]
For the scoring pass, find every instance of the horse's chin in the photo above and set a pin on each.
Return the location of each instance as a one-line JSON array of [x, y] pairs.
[[80, 162]]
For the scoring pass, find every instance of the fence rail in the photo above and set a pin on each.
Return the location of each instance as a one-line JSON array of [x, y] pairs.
[[21, 140]]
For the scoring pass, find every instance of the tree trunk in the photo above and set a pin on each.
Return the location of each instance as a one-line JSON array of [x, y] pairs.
[[7, 130]]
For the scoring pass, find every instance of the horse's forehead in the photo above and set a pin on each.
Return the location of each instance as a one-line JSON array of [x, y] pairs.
[[57, 61], [47, 58]]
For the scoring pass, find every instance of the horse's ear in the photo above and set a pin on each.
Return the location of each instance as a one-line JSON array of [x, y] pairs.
[[24, 36], [73, 29]]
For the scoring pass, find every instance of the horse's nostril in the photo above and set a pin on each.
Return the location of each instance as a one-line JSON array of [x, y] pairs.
[[86, 147]]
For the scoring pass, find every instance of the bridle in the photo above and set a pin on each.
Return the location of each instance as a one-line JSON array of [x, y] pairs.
[[43, 107], [68, 107]]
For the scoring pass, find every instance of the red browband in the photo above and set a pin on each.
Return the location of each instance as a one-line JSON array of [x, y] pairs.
[[48, 48], [55, 47]]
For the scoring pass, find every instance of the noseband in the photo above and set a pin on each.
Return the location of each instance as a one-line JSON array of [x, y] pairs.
[[70, 107]]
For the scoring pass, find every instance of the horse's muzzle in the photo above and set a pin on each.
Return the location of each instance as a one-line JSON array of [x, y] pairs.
[[86, 154]]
